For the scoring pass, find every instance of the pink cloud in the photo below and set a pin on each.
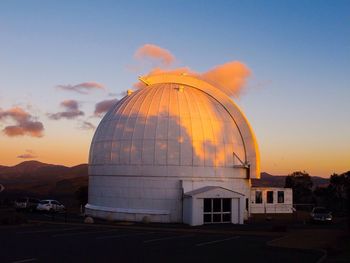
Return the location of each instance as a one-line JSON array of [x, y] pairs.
[[87, 126], [29, 154], [103, 106], [82, 88], [71, 111], [25, 124], [154, 52], [230, 77]]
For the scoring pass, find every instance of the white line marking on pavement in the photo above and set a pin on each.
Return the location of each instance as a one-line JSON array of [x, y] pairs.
[[166, 238], [49, 230], [25, 260], [125, 235], [84, 233], [216, 241]]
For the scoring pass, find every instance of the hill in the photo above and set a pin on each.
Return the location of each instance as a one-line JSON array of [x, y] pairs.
[[41, 180], [279, 180]]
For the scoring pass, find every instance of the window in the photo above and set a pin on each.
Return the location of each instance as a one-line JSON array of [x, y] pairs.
[[207, 206], [217, 210], [269, 197], [226, 205], [280, 196], [258, 197]]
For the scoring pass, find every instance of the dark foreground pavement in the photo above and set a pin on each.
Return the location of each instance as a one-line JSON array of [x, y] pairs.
[[44, 242]]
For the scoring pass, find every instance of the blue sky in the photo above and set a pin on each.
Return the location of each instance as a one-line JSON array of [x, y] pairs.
[[297, 98]]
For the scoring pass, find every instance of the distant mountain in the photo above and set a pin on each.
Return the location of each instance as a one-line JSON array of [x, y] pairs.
[[26, 167], [279, 180], [42, 180], [2, 167]]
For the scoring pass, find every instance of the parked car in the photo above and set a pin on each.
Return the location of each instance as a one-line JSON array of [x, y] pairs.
[[26, 203], [50, 206], [321, 214]]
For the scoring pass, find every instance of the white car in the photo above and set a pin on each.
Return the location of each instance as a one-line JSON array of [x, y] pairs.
[[50, 205]]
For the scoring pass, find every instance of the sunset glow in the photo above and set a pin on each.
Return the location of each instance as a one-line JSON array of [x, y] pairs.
[[287, 71]]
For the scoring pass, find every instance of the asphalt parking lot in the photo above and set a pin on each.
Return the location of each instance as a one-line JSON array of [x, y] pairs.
[[51, 242]]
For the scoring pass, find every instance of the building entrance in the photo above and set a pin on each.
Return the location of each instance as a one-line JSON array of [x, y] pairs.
[[217, 210]]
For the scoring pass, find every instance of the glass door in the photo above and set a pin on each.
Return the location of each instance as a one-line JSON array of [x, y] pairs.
[[217, 210]]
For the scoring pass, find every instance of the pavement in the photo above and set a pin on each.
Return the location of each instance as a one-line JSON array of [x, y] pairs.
[[65, 238], [58, 241]]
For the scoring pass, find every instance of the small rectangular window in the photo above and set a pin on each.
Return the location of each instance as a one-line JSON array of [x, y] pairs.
[[269, 197], [258, 197], [226, 217], [226, 205], [280, 196], [207, 218], [207, 205], [216, 218], [217, 205]]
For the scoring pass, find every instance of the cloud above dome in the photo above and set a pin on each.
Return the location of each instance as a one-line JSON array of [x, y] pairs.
[[229, 77], [156, 53]]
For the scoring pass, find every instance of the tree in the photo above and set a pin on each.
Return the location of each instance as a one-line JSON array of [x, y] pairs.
[[339, 186], [301, 184], [336, 196]]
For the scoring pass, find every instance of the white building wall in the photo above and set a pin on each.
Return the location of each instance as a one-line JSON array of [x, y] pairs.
[[133, 198], [271, 208], [197, 210], [187, 211], [128, 197]]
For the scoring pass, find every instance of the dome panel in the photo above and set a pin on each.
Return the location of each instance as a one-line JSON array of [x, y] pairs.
[[167, 124]]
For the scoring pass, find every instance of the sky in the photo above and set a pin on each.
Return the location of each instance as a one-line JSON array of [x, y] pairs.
[[59, 59]]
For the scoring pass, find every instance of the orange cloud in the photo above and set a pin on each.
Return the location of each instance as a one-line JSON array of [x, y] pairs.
[[231, 77], [28, 155], [72, 111], [103, 106], [82, 88], [25, 124], [158, 71], [154, 52]]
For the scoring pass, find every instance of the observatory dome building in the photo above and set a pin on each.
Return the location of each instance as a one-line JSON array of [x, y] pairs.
[[178, 150]]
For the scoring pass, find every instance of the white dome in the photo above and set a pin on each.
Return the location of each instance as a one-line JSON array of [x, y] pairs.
[[167, 124], [176, 135]]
